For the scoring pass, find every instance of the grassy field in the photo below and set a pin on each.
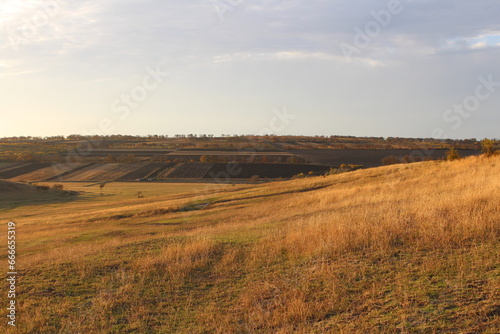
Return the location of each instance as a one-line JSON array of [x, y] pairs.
[[123, 190], [397, 249]]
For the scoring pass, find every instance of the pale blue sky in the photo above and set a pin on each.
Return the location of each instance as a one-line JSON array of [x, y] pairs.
[[69, 67]]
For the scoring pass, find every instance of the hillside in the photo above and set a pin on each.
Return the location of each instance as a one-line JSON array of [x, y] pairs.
[[59, 158], [15, 194], [411, 248], [7, 187]]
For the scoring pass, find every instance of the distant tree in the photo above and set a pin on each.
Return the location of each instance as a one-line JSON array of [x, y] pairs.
[[390, 160], [42, 188], [158, 158], [121, 158], [130, 158], [333, 171], [453, 154], [299, 176], [254, 179], [110, 158], [406, 159], [25, 157], [488, 147]]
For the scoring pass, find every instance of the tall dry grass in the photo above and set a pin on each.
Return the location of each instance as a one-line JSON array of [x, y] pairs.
[[397, 249], [340, 237], [426, 206]]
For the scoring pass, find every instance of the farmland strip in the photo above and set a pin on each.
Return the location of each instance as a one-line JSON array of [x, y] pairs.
[[24, 169]]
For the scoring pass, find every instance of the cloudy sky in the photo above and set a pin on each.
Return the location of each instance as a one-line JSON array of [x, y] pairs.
[[409, 68]]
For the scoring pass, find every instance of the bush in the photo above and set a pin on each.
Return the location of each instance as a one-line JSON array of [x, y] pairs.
[[58, 186], [390, 160], [333, 171], [344, 168], [453, 154], [354, 167], [254, 179], [488, 147], [406, 159]]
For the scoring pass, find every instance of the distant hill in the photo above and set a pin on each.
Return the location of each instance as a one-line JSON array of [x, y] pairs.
[[8, 188], [15, 193]]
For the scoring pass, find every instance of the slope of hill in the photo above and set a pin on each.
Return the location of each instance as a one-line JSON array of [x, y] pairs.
[[8, 187], [15, 193], [397, 249]]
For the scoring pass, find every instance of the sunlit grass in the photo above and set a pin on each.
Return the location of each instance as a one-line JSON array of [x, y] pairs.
[[397, 249]]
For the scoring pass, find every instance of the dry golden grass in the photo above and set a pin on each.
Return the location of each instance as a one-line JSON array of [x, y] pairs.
[[397, 249]]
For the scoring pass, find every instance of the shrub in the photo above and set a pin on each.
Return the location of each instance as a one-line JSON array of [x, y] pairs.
[[42, 188], [332, 171], [254, 179], [390, 160], [354, 167], [407, 159], [453, 154], [344, 168], [488, 147], [58, 186], [110, 158]]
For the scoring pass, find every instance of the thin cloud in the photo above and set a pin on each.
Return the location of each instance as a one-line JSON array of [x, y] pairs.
[[425, 59]]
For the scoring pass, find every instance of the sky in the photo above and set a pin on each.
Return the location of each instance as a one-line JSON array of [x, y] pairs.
[[409, 68]]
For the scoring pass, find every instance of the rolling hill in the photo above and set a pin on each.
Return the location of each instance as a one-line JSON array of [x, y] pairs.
[[15, 193], [411, 248]]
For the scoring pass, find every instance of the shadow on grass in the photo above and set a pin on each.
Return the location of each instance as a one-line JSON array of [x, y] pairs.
[[15, 200]]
